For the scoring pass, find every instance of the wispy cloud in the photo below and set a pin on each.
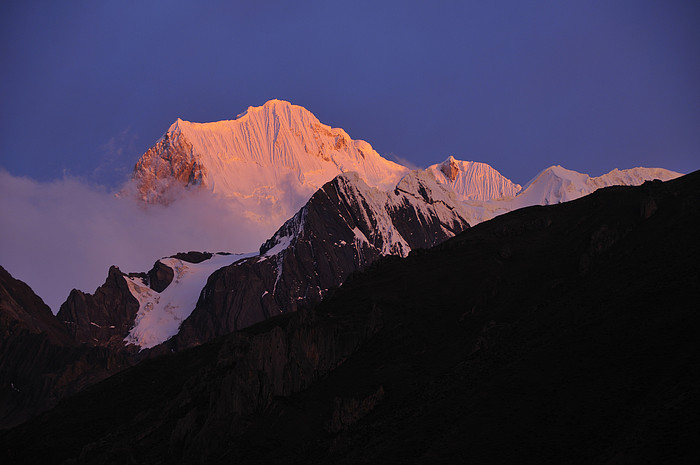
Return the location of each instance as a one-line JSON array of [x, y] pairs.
[[115, 155], [65, 234], [401, 161]]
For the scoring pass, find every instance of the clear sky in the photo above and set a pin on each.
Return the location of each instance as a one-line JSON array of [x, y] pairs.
[[88, 86]]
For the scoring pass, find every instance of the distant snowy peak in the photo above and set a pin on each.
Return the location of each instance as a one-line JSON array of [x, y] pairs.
[[557, 184], [271, 158], [473, 180]]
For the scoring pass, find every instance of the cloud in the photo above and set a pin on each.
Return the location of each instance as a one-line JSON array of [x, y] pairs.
[[401, 161], [113, 157], [65, 234]]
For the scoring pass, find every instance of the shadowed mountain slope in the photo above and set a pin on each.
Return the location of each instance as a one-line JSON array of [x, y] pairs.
[[559, 334], [40, 362], [344, 227]]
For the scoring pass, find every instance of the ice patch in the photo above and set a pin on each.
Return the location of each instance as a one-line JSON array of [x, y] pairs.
[[359, 235], [281, 245]]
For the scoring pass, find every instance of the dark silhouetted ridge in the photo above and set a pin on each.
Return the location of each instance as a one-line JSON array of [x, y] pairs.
[[559, 334]]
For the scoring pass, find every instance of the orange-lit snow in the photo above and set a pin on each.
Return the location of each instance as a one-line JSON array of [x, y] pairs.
[[557, 184], [472, 180], [272, 158]]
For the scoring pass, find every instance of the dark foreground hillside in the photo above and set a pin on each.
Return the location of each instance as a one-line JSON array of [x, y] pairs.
[[560, 334]]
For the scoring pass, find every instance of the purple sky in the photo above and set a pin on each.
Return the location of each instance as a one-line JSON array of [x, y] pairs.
[[87, 87]]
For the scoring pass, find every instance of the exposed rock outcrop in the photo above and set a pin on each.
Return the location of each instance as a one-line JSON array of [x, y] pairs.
[[103, 318], [40, 362], [167, 168], [160, 276]]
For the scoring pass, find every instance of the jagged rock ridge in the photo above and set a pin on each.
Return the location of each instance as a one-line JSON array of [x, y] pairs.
[[40, 361], [344, 227], [165, 168], [102, 318]]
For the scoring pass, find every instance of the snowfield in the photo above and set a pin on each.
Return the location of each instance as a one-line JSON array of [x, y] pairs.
[[161, 314], [557, 184], [269, 160]]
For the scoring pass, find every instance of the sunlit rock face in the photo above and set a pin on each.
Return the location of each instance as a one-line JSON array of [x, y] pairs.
[[270, 160], [450, 169], [167, 167]]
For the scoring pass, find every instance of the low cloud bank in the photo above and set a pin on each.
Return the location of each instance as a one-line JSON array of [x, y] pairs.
[[65, 234]]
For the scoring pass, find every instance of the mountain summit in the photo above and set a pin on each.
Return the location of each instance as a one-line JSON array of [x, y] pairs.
[[268, 162], [472, 180], [271, 159], [557, 184], [551, 186]]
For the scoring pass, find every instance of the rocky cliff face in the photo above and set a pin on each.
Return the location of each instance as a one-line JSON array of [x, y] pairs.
[[40, 362], [344, 227], [167, 168], [32, 343], [103, 318]]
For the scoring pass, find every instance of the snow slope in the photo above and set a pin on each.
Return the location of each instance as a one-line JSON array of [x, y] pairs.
[[473, 180], [161, 313], [557, 184], [270, 159]]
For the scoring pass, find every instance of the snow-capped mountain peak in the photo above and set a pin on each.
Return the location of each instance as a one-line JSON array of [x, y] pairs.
[[270, 159], [557, 184], [473, 180]]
